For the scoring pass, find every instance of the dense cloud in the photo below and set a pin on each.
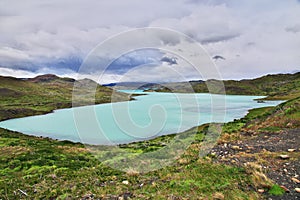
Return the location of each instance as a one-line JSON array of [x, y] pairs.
[[256, 37]]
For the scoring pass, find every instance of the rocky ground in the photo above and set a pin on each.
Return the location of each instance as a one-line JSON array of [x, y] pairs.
[[276, 153]]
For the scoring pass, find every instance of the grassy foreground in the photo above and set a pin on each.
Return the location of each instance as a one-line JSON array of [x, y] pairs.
[[47, 169], [41, 168]]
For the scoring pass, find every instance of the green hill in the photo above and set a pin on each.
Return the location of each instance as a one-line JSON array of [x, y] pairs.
[[43, 94], [279, 86]]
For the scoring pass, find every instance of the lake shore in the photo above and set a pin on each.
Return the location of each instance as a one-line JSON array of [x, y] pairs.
[[255, 157], [180, 112], [46, 168]]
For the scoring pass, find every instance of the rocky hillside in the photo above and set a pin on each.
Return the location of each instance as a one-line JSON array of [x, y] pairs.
[[266, 143]]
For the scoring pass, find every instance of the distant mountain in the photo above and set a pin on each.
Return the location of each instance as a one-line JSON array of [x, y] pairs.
[[132, 85], [277, 86]]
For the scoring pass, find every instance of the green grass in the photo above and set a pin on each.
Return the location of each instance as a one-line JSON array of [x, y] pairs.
[[268, 119], [45, 168], [254, 114], [270, 129], [276, 190], [233, 127], [258, 113]]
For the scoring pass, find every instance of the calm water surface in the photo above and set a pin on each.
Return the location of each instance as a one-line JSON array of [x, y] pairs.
[[149, 116]]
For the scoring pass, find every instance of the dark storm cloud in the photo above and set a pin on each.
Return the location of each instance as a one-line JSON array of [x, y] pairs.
[[170, 61], [134, 59]]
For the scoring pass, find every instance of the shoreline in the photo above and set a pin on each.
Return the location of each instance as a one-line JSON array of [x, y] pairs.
[[136, 141], [133, 142], [44, 168]]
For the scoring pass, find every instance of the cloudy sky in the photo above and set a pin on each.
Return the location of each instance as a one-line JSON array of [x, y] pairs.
[[255, 37]]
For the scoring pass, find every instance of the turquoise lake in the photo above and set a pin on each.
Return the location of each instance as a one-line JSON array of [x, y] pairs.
[[149, 116]]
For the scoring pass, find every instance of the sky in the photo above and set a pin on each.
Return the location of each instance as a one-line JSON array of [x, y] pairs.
[[254, 37]]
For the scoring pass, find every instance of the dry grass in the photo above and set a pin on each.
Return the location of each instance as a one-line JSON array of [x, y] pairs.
[[259, 179]]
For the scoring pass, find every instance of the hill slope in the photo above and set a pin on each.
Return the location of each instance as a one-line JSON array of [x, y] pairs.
[[43, 94], [279, 86]]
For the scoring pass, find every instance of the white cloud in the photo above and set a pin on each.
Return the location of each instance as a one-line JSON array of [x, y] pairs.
[[205, 24], [107, 78], [256, 37], [17, 73]]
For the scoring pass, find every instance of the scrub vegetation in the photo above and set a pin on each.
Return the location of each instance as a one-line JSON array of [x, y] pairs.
[[275, 87], [241, 165]]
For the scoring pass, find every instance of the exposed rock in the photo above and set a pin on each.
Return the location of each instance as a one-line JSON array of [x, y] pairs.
[[261, 190], [250, 147], [285, 188], [125, 182], [234, 147], [295, 180], [284, 157], [289, 125], [291, 150]]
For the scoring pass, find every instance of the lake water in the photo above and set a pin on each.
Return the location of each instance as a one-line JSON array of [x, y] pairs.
[[148, 116]]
